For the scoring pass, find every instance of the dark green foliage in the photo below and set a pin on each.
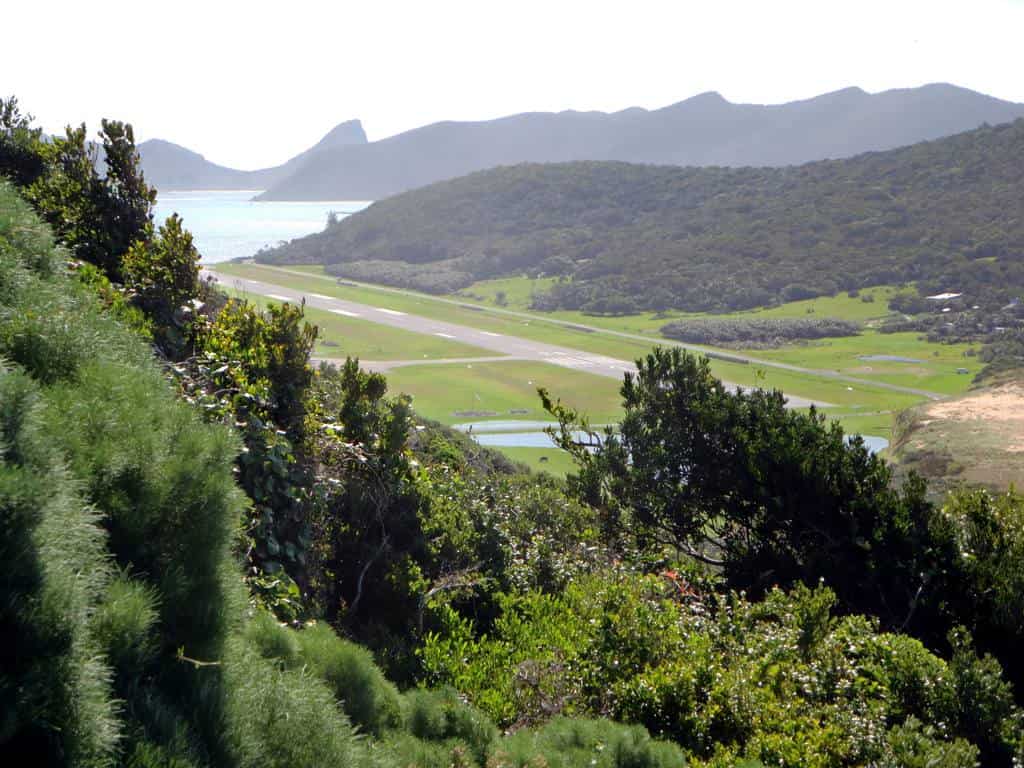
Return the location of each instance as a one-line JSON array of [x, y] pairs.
[[269, 354], [97, 218], [370, 701], [757, 332], [440, 715], [774, 495], [369, 546], [284, 718], [565, 743], [783, 681], [163, 272], [21, 159], [125, 624], [254, 373], [54, 687], [985, 587], [637, 237], [397, 540], [141, 467]]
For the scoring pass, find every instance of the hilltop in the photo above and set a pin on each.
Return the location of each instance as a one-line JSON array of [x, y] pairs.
[[947, 214], [169, 166], [706, 130]]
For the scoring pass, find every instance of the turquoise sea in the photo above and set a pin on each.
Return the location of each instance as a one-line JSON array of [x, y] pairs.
[[228, 225]]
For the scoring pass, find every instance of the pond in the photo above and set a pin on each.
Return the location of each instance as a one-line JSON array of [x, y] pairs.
[[496, 434], [888, 359]]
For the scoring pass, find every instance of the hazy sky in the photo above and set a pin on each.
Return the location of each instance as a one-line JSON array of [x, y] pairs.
[[249, 84]]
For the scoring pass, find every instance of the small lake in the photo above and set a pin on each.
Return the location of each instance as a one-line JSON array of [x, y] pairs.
[[229, 224], [499, 434], [888, 359], [523, 439]]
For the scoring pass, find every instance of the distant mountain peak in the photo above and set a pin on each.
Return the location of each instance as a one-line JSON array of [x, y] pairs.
[[348, 132], [706, 99]]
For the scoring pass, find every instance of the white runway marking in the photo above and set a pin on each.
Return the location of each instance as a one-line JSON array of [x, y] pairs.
[[444, 335], [389, 311], [490, 333], [279, 297], [321, 296], [344, 312]]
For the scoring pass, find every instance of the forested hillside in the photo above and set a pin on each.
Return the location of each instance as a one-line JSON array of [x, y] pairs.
[[948, 214], [217, 556], [705, 130]]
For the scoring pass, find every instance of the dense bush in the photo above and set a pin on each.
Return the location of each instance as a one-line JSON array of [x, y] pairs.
[[772, 495], [370, 701], [97, 218], [565, 743], [20, 160], [756, 332], [783, 681], [55, 689], [102, 467]]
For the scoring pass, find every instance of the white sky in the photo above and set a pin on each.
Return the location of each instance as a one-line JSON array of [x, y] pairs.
[[249, 84]]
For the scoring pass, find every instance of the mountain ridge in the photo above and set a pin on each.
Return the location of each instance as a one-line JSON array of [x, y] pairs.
[[703, 130], [169, 166], [623, 237]]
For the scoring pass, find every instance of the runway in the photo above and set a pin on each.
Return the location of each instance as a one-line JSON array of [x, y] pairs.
[[508, 347]]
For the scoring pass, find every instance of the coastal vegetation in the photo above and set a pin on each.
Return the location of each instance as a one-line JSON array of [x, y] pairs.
[[217, 554]]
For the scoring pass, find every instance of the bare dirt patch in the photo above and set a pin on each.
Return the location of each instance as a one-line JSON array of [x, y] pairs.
[[977, 439], [1002, 406]]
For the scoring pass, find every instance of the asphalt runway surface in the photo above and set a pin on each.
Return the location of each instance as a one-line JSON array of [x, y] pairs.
[[508, 347]]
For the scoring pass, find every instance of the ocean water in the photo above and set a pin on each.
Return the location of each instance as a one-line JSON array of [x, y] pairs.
[[228, 225]]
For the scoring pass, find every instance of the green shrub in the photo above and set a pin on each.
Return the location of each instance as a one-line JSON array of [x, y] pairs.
[[284, 718], [272, 640], [440, 715], [917, 746], [55, 697], [403, 749], [578, 743], [125, 623], [371, 702]]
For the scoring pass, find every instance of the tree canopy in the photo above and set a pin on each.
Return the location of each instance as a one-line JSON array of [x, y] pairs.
[[638, 237]]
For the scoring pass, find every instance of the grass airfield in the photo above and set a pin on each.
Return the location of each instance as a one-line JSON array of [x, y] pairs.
[[506, 390]]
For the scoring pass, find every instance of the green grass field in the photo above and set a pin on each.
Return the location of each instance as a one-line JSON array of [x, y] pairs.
[[870, 305], [940, 370], [426, 306], [459, 392], [936, 369], [554, 461], [342, 337], [500, 387]]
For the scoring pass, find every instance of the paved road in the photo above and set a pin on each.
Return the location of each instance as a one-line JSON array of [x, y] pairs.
[[509, 347], [652, 340]]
